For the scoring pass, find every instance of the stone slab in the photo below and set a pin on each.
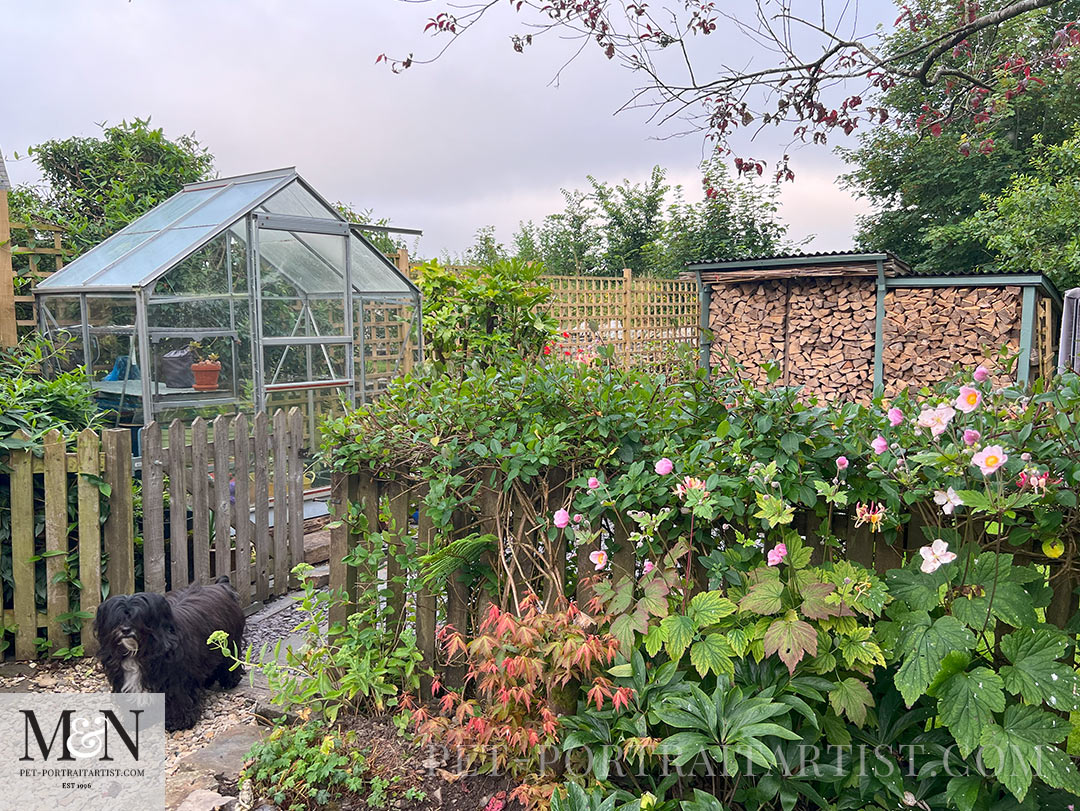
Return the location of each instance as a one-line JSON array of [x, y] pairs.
[[226, 754]]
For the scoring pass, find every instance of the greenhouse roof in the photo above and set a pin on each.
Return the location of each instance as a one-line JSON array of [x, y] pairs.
[[141, 252]]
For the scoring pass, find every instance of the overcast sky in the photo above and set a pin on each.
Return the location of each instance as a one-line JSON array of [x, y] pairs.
[[482, 137]]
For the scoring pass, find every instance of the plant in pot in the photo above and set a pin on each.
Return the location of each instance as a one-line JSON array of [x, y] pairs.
[[205, 369]]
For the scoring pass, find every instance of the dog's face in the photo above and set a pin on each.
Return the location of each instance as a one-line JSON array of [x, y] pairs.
[[136, 622]]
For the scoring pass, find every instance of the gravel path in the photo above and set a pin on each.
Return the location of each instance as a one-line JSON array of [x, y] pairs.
[[277, 620]]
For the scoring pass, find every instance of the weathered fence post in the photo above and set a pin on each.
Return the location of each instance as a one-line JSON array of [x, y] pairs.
[[120, 525], [342, 575], [425, 598], [22, 550], [242, 510], [8, 331], [56, 535], [295, 488], [153, 510], [89, 465], [222, 511], [178, 521], [200, 501], [399, 517], [262, 508], [281, 503]]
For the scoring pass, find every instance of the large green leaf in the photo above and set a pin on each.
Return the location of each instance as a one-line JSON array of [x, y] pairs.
[[763, 597], [967, 703], [791, 639], [713, 653], [858, 648], [678, 633], [1009, 602], [963, 792], [914, 587], [1024, 744], [923, 647], [851, 697], [709, 607], [814, 605], [654, 598], [1035, 674]]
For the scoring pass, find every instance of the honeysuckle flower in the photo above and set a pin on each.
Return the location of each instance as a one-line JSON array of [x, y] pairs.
[[594, 483], [896, 416], [598, 559], [880, 445], [663, 466], [648, 567], [777, 554], [842, 463], [948, 500], [687, 484], [990, 458], [1025, 456], [872, 514], [982, 374], [971, 436], [935, 555], [1035, 480], [968, 399], [937, 419], [562, 518]]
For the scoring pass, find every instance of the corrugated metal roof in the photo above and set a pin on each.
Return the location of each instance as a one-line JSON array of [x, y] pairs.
[[793, 261], [793, 256], [5, 181]]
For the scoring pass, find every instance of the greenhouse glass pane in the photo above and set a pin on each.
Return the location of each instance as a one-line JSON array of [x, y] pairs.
[[110, 312], [204, 271], [171, 210], [370, 273], [81, 269], [303, 363], [294, 199], [63, 327], [151, 256], [292, 257], [230, 203]]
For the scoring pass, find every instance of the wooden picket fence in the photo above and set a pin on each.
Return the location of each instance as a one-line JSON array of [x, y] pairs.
[[197, 464], [463, 605]]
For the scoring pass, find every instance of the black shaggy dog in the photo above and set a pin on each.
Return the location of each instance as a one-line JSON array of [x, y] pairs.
[[153, 643]]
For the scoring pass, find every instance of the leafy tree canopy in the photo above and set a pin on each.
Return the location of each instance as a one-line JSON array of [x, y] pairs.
[[93, 187], [933, 167], [633, 225], [1034, 225]]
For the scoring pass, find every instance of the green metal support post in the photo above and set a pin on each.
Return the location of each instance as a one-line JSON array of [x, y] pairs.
[[879, 331], [1027, 336]]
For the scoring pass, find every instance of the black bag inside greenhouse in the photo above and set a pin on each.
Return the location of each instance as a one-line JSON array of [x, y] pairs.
[[176, 368]]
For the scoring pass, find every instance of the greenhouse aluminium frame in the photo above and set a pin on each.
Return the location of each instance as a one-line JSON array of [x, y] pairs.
[[257, 265]]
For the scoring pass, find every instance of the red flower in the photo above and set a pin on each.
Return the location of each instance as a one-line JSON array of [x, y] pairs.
[[547, 350]]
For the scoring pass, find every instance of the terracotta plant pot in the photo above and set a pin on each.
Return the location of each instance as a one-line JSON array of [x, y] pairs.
[[206, 375]]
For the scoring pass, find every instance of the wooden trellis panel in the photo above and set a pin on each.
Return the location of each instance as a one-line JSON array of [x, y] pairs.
[[645, 320]]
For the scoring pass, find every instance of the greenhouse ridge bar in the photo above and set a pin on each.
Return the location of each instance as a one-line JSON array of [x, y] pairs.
[[256, 275]]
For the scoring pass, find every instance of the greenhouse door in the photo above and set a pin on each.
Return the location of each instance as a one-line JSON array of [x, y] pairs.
[[303, 315]]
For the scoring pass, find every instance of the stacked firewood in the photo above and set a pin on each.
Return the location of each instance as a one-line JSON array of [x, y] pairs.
[[831, 337], [820, 331], [929, 332]]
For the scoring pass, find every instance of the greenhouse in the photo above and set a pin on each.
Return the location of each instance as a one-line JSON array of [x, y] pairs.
[[247, 293]]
